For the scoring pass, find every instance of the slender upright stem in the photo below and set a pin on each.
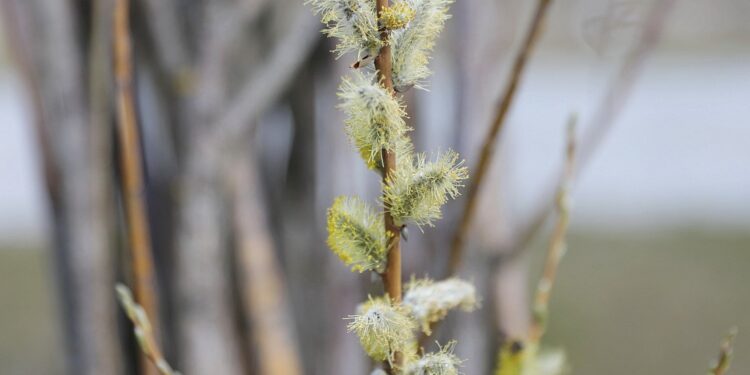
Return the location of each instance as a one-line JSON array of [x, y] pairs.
[[392, 274], [143, 331], [601, 122], [488, 148], [557, 242], [132, 173]]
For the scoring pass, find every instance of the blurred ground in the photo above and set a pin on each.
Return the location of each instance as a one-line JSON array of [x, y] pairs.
[[649, 303], [29, 336], [638, 303]]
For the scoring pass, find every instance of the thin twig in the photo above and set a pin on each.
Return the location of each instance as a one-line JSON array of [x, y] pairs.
[[725, 354], [263, 291], [557, 245], [601, 123], [225, 22], [143, 331], [488, 148], [171, 45], [132, 173]]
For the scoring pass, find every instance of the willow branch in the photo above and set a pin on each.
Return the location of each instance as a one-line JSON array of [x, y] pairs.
[[392, 274], [557, 245], [225, 23], [265, 85], [490, 140], [263, 291], [171, 46], [131, 166]]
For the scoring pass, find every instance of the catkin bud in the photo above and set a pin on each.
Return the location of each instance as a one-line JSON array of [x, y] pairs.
[[443, 362], [412, 45], [429, 301], [417, 192], [357, 234], [375, 118], [383, 329], [397, 15]]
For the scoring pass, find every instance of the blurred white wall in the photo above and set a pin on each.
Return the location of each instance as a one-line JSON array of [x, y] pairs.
[[22, 206]]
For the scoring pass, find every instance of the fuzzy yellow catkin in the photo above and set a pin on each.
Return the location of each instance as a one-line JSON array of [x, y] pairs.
[[353, 22], [443, 362], [383, 329], [375, 118], [429, 301], [413, 44], [356, 234], [397, 15], [418, 191]]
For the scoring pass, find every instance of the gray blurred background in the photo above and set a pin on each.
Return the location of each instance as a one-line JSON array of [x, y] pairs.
[[658, 265]]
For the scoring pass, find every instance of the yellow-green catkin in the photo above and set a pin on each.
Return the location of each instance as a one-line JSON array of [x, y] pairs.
[[383, 329], [397, 15], [418, 191], [414, 192], [429, 301], [413, 44], [443, 362], [353, 22], [356, 234], [375, 118]]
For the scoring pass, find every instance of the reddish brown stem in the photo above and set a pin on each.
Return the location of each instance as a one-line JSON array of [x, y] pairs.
[[392, 274], [132, 173], [488, 148]]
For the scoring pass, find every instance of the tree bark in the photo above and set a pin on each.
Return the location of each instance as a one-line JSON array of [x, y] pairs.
[[77, 175]]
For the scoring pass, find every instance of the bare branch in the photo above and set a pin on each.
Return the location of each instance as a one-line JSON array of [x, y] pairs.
[[133, 188], [266, 84], [225, 22], [209, 342], [601, 123], [392, 274], [171, 46], [557, 246], [488, 148], [263, 291]]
